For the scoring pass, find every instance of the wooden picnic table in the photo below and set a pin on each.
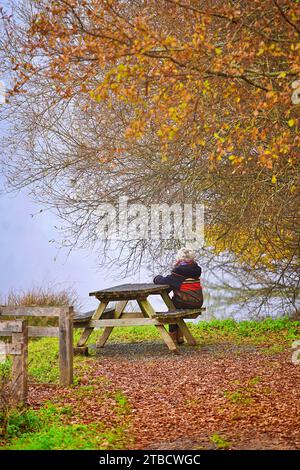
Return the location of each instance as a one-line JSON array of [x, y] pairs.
[[108, 318]]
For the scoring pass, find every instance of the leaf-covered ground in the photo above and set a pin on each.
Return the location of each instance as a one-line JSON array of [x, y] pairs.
[[214, 396], [238, 389]]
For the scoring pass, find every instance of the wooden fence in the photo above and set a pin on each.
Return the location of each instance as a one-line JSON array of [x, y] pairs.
[[18, 348], [64, 331]]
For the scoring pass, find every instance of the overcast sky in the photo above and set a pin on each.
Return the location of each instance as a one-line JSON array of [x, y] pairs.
[[27, 258]]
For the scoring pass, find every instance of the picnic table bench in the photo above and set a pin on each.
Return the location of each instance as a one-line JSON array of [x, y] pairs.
[[108, 318]]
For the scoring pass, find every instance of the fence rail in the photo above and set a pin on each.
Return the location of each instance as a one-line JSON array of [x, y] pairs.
[[64, 332], [31, 311]]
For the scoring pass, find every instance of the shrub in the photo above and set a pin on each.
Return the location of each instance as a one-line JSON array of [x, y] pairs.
[[41, 297]]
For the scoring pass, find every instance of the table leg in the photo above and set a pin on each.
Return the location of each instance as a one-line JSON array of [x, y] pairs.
[[107, 331], [146, 308], [167, 338], [181, 323], [167, 300], [186, 332], [88, 330], [169, 303], [149, 311]]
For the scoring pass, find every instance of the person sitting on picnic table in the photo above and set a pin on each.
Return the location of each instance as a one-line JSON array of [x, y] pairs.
[[185, 283]]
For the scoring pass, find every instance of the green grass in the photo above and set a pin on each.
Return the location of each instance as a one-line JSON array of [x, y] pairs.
[[21, 421], [219, 442], [47, 429], [240, 397], [43, 360], [128, 334], [5, 368], [273, 336], [244, 395], [71, 437], [122, 408], [246, 331], [269, 331]]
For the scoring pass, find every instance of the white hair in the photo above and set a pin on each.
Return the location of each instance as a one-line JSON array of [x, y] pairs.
[[185, 254]]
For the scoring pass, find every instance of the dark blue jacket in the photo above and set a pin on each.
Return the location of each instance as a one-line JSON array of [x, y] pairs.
[[184, 281]]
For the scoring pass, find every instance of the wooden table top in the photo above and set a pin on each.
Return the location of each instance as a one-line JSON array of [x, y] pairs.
[[130, 291]]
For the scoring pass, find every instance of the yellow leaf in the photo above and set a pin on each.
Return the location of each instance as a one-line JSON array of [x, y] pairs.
[[274, 179], [218, 50], [291, 122]]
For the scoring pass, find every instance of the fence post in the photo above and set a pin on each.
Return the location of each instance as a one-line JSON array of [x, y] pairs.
[[20, 363], [66, 346]]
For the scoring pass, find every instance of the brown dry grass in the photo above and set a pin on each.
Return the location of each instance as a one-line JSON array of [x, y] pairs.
[[41, 297]]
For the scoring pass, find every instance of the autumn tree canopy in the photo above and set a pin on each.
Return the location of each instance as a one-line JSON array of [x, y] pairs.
[[218, 74], [200, 96]]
